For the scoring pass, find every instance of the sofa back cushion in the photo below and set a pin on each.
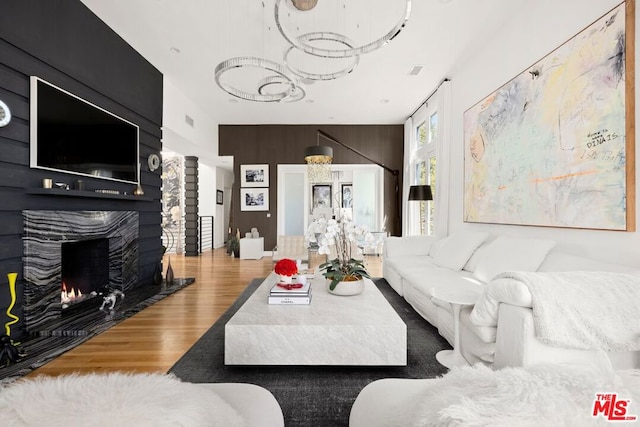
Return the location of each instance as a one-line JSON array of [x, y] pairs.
[[511, 254], [562, 261], [454, 251]]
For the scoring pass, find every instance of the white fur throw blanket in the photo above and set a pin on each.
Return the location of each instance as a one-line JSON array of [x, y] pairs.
[[539, 395], [586, 310], [114, 399]]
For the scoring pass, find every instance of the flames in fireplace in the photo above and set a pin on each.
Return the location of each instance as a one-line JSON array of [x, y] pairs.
[[84, 270], [70, 296]]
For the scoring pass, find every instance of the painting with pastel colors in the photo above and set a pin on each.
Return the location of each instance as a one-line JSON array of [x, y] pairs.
[[548, 147]]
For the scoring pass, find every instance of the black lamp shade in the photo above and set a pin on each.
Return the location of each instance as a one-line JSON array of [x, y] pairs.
[[420, 192], [318, 150]]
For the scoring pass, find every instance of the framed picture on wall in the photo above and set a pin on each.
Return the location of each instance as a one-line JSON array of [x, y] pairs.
[[254, 199], [219, 197], [321, 196], [254, 175], [347, 195]]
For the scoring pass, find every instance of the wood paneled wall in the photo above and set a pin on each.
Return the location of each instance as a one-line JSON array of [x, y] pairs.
[[285, 144], [63, 42]]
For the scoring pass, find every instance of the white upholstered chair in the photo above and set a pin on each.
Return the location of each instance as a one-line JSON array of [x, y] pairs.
[[291, 247]]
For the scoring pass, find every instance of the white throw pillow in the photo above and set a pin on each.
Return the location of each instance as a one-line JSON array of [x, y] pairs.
[[435, 247], [511, 254], [457, 248]]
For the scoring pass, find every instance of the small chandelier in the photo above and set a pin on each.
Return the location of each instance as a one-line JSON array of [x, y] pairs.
[[318, 158], [304, 4]]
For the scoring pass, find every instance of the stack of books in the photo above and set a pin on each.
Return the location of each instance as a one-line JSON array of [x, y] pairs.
[[290, 294]]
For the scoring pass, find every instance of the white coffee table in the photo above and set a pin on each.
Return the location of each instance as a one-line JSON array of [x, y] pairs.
[[457, 297], [333, 330]]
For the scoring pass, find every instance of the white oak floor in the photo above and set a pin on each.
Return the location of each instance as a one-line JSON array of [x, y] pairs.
[[154, 339]]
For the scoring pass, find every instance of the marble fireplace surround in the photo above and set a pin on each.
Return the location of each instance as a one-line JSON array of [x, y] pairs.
[[44, 233]]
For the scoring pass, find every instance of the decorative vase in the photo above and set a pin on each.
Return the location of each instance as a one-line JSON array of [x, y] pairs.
[[9, 352], [168, 278], [286, 279], [157, 274], [12, 290], [138, 191], [348, 288]]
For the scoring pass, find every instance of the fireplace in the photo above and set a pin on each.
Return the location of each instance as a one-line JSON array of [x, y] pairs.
[[84, 270], [70, 258]]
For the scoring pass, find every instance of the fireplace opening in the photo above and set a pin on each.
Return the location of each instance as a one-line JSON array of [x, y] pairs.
[[84, 270]]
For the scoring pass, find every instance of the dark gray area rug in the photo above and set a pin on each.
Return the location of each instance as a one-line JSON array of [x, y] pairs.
[[313, 396]]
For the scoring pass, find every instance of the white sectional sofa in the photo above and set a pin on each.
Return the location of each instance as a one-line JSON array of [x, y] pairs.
[[417, 267]]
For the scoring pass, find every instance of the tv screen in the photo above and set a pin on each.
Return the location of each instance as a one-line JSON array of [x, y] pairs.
[[69, 134]]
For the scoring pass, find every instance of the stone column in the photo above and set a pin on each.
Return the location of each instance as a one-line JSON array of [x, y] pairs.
[[191, 206]]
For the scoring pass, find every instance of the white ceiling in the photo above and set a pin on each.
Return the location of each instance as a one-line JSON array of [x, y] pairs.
[[439, 35]]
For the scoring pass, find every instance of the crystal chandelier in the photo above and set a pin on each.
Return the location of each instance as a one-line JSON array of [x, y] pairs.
[[318, 158], [311, 43], [349, 51]]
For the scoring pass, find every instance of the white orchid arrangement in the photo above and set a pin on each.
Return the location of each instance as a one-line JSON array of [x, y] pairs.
[[339, 234]]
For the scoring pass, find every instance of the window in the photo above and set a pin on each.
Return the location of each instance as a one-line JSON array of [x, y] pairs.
[[421, 134], [428, 132], [424, 169]]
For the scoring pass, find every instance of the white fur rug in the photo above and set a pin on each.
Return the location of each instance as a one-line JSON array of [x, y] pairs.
[[114, 399], [541, 395]]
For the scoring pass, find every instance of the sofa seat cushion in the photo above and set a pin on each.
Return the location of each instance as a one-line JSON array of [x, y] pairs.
[[472, 344], [409, 262], [428, 280], [485, 333], [422, 304]]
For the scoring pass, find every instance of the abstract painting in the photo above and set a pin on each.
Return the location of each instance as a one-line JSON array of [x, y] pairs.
[[549, 147]]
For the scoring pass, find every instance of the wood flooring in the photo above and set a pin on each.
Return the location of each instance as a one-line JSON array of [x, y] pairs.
[[154, 339]]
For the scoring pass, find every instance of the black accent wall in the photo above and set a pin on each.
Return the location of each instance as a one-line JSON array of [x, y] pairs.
[[63, 42], [285, 144]]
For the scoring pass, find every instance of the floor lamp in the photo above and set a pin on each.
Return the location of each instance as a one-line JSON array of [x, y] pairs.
[[394, 172], [420, 193]]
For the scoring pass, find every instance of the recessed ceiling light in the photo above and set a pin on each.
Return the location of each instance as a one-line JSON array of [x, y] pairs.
[[331, 117], [384, 101], [309, 101], [233, 100], [174, 49]]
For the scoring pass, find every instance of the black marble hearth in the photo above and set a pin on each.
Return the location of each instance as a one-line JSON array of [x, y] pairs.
[[46, 234], [40, 349]]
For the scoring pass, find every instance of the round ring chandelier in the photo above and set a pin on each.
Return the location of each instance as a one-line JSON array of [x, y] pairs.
[[346, 52], [297, 94], [288, 78], [322, 36]]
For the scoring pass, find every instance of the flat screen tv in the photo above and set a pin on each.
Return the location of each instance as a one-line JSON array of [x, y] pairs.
[[69, 134]]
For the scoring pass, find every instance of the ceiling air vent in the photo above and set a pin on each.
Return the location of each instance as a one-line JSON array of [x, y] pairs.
[[415, 70]]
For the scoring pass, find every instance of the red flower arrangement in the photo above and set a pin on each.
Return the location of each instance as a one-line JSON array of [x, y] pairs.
[[286, 267]]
